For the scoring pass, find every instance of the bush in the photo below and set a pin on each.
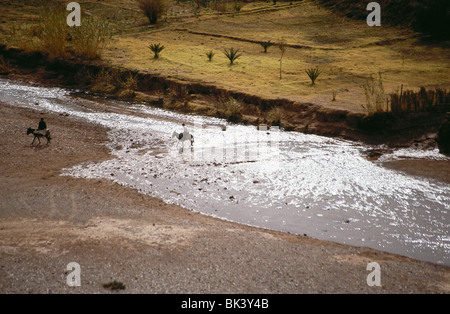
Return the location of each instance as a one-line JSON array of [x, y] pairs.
[[433, 17], [237, 6], [156, 48], [53, 32], [153, 9], [210, 55], [374, 92], [5, 66], [233, 109], [88, 39], [105, 81], [232, 54], [55, 37], [266, 44], [114, 285], [201, 3], [275, 115], [313, 74]]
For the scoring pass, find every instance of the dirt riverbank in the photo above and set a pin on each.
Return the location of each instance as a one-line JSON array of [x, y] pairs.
[[115, 233], [210, 100]]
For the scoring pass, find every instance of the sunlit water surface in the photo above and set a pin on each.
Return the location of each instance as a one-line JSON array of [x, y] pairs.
[[292, 182]]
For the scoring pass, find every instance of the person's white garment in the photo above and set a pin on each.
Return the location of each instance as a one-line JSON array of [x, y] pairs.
[[185, 132]]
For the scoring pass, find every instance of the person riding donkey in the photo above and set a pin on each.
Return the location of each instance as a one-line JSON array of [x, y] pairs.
[[42, 125], [41, 131], [185, 132], [184, 136]]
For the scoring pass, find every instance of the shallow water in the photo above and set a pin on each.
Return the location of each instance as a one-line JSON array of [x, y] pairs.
[[292, 182]]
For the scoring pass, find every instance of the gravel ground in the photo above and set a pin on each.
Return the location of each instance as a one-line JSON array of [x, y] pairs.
[[115, 233]]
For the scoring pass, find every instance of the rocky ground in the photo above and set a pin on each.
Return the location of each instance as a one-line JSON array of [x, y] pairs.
[[115, 233]]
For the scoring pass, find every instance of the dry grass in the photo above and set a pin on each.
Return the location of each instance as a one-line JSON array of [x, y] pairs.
[[347, 51], [344, 49]]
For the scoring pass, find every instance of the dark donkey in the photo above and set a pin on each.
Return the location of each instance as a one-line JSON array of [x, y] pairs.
[[38, 134]]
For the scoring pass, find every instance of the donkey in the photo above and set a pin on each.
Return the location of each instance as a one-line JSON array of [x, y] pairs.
[[38, 134], [184, 137]]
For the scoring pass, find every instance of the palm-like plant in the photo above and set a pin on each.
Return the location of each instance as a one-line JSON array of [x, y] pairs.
[[156, 49], [232, 54], [210, 55], [313, 73]]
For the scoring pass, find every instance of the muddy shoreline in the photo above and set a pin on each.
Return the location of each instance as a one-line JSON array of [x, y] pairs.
[[115, 233], [203, 99]]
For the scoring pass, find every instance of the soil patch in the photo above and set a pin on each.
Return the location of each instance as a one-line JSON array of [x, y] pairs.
[[116, 234]]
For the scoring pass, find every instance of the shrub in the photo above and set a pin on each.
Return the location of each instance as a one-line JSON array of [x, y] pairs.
[[374, 92], [210, 55], [313, 74], [232, 54], [433, 17], [237, 6], [275, 115], [114, 285], [129, 81], [266, 44], [233, 109], [53, 32], [153, 9], [156, 49], [5, 66], [88, 39], [55, 37], [105, 81]]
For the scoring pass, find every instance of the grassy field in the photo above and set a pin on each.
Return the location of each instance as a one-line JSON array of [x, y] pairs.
[[347, 51]]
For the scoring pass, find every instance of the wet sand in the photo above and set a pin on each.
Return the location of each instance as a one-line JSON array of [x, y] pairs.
[[115, 233]]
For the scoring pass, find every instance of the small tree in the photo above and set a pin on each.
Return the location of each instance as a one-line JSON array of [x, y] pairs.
[[313, 73], [153, 9], [156, 49], [232, 54], [266, 44], [282, 46]]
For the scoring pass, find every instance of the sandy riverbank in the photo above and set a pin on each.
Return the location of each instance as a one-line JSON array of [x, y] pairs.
[[115, 233]]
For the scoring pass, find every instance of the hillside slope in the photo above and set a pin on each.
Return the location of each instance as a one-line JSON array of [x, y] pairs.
[[432, 17]]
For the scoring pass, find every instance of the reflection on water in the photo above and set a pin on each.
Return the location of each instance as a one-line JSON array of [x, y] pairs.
[[287, 181]]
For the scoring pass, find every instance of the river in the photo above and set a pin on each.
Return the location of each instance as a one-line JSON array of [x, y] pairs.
[[287, 181]]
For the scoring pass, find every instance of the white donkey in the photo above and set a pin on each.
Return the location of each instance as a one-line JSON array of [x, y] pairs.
[[184, 136]]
